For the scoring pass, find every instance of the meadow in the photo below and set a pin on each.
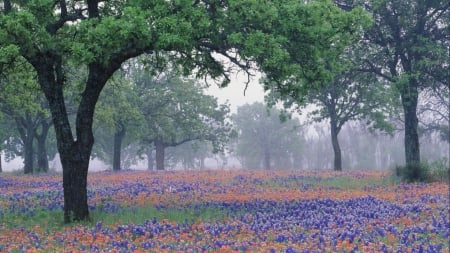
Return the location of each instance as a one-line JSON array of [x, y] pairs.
[[227, 211]]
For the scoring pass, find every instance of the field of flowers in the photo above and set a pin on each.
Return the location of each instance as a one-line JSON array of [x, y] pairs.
[[228, 211]]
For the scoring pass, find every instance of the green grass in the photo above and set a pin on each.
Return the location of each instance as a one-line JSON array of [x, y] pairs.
[[350, 183], [138, 215], [53, 220]]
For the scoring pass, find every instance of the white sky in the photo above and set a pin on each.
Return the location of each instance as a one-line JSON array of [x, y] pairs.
[[234, 92]]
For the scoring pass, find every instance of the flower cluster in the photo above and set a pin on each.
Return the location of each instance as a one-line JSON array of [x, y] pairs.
[[252, 211]]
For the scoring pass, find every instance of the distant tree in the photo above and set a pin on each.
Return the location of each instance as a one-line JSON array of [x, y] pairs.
[[408, 46], [177, 111], [22, 102], [351, 96], [118, 115], [264, 141], [434, 111], [191, 154]]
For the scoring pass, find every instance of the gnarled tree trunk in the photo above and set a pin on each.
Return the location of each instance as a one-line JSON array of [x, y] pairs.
[[74, 152]]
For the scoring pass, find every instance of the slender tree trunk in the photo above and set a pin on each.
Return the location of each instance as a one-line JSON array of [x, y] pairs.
[[409, 98], [25, 128], [42, 158], [160, 148], [202, 163], [118, 138], [150, 159], [1, 168], [28, 154], [336, 146], [267, 159]]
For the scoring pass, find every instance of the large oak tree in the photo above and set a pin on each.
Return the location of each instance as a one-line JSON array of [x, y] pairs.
[[101, 35]]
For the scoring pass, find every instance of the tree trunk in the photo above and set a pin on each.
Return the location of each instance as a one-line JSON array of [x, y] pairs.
[[150, 159], [202, 163], [74, 152], [267, 159], [7, 6], [1, 169], [118, 138], [336, 146], [160, 148], [75, 170], [26, 131], [42, 158], [28, 154], [409, 98]]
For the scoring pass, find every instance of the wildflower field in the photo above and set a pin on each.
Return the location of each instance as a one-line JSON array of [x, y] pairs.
[[227, 211]]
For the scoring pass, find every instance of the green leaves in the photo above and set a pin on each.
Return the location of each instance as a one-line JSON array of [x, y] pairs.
[[8, 53], [99, 39]]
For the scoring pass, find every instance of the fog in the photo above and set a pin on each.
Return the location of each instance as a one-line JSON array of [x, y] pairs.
[[361, 150]]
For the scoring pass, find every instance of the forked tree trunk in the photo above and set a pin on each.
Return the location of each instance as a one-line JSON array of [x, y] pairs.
[[74, 152], [159, 148], [118, 138]]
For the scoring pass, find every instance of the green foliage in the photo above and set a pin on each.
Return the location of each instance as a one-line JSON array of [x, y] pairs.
[[176, 111], [315, 35], [19, 90]]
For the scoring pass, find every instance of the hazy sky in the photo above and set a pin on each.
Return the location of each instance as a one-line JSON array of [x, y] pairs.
[[234, 92]]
